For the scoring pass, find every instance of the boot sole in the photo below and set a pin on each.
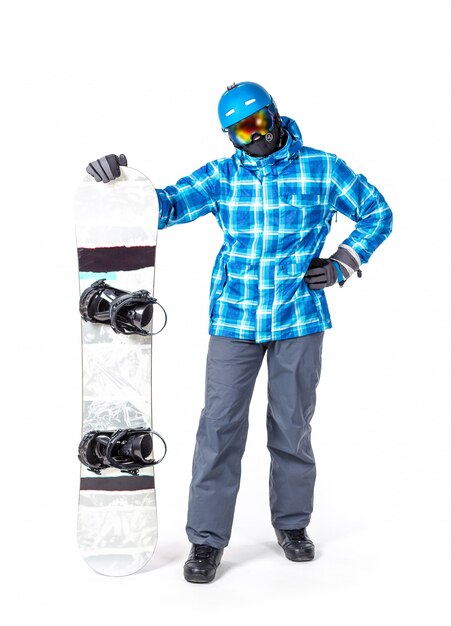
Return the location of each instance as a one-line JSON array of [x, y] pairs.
[[301, 558]]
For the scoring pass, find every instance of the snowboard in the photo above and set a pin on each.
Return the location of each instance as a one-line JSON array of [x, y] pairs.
[[116, 233]]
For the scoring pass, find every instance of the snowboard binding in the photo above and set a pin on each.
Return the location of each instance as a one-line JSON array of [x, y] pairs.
[[128, 313], [126, 449]]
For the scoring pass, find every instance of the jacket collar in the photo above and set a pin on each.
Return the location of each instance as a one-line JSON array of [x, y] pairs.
[[279, 159]]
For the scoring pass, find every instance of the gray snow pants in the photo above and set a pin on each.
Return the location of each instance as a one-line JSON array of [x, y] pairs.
[[294, 367]]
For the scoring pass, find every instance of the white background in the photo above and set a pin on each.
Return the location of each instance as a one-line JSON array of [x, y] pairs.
[[368, 81]]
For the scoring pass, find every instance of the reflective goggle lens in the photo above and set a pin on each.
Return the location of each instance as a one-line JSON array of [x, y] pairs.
[[259, 123]]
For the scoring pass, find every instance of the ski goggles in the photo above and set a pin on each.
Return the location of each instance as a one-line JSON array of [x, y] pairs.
[[260, 123]]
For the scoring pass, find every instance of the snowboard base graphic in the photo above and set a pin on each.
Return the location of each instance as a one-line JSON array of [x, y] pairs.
[[116, 230]]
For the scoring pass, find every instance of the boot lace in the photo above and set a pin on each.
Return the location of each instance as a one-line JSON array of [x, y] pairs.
[[202, 551], [297, 534]]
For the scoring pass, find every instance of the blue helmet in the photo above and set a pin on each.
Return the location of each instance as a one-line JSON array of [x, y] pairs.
[[240, 101]]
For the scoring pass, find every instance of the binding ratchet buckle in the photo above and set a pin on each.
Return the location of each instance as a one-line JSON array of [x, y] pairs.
[[128, 313], [128, 450]]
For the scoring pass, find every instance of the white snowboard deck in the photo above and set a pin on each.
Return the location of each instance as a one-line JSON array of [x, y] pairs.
[[117, 529]]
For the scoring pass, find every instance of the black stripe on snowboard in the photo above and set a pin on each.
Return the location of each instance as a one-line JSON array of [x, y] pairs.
[[117, 483], [115, 259]]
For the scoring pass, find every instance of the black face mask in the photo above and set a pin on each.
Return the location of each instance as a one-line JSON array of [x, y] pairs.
[[269, 143]]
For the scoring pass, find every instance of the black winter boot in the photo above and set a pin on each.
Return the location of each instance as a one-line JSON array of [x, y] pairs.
[[296, 544], [202, 563]]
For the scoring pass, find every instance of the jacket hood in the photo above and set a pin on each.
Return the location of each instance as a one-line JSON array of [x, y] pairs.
[[286, 153]]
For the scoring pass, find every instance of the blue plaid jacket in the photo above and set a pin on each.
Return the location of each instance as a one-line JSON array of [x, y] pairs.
[[275, 213]]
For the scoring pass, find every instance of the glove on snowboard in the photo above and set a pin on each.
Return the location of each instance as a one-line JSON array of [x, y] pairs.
[[107, 168]]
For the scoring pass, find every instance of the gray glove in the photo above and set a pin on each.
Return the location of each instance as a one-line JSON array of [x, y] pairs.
[[107, 168], [323, 273]]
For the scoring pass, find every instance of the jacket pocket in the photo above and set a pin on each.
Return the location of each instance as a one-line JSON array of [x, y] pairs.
[[302, 211], [218, 284], [242, 282], [302, 199], [290, 278], [292, 268]]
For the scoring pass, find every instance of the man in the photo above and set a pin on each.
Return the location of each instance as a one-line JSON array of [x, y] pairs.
[[274, 200]]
